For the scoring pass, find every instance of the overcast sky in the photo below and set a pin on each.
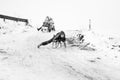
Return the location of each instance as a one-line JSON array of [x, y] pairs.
[[67, 14]]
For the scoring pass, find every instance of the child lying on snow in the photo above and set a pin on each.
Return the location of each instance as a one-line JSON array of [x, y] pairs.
[[58, 38]]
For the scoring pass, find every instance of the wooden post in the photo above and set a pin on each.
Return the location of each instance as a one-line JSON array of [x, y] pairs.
[[89, 24]]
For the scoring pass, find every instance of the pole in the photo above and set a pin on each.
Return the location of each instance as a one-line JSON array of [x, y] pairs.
[[89, 24]]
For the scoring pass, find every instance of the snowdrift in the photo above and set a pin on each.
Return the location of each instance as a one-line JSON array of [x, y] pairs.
[[20, 59]]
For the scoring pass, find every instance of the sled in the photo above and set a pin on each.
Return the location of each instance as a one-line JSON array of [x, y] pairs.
[[82, 46], [87, 47], [55, 45]]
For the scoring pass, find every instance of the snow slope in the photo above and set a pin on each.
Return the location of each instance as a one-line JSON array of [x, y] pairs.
[[20, 59]]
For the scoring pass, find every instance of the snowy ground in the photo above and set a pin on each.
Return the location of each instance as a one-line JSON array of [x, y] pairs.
[[20, 59]]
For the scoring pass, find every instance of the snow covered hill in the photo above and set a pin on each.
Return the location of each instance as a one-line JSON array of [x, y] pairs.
[[20, 59]]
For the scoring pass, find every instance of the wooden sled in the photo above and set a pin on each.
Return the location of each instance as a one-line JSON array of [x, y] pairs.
[[84, 46]]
